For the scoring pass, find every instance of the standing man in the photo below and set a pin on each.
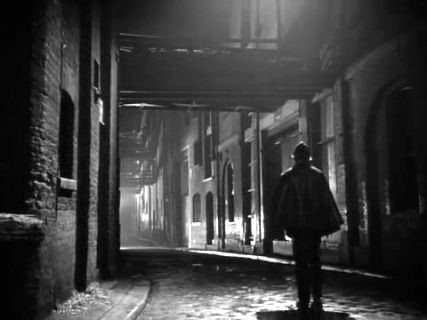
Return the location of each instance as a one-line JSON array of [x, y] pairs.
[[306, 210]]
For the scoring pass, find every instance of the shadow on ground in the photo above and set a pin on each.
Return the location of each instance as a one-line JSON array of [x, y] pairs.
[[294, 315]]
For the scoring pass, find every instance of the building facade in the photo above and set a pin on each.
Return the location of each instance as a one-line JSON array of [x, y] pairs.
[[365, 128], [58, 160]]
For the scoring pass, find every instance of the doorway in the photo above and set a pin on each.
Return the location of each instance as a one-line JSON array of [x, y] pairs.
[[392, 187], [184, 198], [209, 218], [277, 159]]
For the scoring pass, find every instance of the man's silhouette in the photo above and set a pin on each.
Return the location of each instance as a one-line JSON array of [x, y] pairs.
[[306, 210]]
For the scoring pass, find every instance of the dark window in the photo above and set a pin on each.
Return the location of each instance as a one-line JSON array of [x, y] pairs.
[[207, 145], [66, 136], [246, 119], [97, 89], [198, 147], [184, 176], [327, 143], [198, 153], [209, 218], [96, 76], [230, 192], [402, 166], [197, 208]]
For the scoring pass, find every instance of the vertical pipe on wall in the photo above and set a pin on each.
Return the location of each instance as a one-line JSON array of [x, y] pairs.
[[258, 173], [257, 24]]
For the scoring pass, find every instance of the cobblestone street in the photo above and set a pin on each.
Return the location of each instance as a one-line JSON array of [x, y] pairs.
[[197, 287]]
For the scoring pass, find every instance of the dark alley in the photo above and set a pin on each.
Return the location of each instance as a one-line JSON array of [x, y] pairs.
[[227, 159]]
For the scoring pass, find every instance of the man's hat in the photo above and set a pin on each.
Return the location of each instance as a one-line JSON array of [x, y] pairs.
[[301, 151]]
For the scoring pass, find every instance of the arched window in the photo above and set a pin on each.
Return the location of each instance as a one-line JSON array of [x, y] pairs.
[[66, 136], [197, 208]]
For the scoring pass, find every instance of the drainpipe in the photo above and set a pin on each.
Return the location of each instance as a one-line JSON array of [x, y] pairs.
[[215, 133], [258, 173]]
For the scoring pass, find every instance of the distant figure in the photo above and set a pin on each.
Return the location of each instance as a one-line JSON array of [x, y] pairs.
[[306, 210]]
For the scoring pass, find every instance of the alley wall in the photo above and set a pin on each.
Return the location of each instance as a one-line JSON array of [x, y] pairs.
[[49, 227]]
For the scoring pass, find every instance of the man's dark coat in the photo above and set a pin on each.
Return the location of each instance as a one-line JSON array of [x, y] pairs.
[[304, 202]]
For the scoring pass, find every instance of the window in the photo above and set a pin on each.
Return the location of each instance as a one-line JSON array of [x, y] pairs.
[[184, 175], [246, 118], [97, 88], [230, 192], [197, 208], [96, 75], [328, 141], [66, 136], [209, 218], [197, 153], [198, 147], [207, 145]]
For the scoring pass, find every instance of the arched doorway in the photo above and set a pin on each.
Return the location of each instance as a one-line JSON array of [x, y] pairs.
[[209, 218], [392, 187]]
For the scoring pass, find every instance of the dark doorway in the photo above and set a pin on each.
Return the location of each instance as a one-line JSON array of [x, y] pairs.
[[272, 167], [209, 218], [230, 192], [277, 158], [402, 166], [392, 188]]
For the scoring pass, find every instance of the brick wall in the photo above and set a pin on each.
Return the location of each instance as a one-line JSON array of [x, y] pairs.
[[45, 102], [57, 63], [94, 147], [49, 56]]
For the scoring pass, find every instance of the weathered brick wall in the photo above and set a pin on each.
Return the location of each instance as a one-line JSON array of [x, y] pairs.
[[53, 52], [65, 235], [45, 101], [94, 148], [56, 64]]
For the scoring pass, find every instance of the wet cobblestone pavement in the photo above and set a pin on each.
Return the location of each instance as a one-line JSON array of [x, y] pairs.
[[200, 288]]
